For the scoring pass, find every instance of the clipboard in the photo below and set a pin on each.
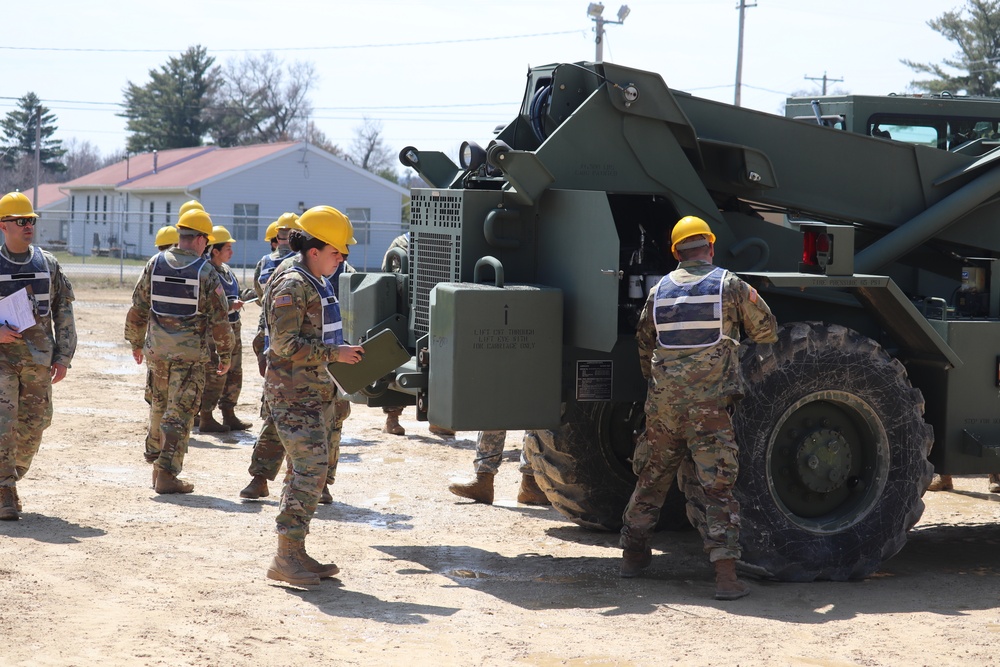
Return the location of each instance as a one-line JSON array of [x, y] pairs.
[[383, 353]]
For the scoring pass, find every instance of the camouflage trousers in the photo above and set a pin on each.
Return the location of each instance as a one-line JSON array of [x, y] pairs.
[[25, 411], [698, 439], [175, 393], [305, 432], [224, 390], [489, 453], [268, 450]]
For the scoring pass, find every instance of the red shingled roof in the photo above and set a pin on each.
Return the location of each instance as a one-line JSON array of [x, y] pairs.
[[176, 168], [48, 194]]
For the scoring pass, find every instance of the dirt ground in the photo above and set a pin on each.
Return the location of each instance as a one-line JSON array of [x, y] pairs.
[[101, 570]]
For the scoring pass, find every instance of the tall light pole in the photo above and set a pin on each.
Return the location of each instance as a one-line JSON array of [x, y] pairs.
[[739, 51], [595, 11]]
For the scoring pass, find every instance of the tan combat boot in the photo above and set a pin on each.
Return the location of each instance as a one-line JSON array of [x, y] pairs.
[[257, 488], [727, 586], [392, 424], [167, 482], [8, 505], [17, 500], [994, 484], [287, 565], [156, 471], [231, 421], [325, 498], [207, 423], [941, 483], [440, 430], [319, 569], [634, 561], [529, 493], [480, 490]]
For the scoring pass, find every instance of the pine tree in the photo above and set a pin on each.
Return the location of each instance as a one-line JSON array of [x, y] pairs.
[[170, 110], [975, 28], [19, 135]]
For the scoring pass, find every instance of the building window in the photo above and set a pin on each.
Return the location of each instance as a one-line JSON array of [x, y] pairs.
[[86, 215], [105, 209], [151, 217], [167, 215], [361, 219], [245, 222]]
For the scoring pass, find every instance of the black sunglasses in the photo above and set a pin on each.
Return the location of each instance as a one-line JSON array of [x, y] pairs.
[[23, 222]]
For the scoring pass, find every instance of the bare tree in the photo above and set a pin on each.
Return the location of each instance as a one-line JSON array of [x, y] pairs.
[[81, 158], [262, 101], [316, 137], [368, 150], [19, 174]]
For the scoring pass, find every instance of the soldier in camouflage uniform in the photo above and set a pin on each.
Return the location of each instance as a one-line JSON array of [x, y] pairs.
[[489, 455], [34, 359], [224, 390], [688, 338], [267, 264], [265, 461], [177, 303], [304, 336]]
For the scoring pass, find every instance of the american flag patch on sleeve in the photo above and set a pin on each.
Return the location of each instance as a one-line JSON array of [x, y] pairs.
[[283, 300]]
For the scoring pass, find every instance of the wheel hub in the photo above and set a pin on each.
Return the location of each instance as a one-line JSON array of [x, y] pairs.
[[823, 460]]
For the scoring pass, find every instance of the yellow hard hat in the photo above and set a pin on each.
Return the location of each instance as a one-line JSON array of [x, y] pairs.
[[16, 205], [330, 226], [190, 205], [197, 220], [221, 235], [687, 227], [287, 221], [166, 236], [272, 231]]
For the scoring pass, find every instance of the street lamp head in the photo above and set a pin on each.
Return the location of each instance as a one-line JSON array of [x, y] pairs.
[[623, 11], [595, 9]]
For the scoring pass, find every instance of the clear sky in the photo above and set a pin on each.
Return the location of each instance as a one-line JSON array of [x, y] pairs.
[[438, 72]]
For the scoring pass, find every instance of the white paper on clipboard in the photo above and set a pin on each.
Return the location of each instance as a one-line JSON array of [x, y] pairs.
[[16, 311]]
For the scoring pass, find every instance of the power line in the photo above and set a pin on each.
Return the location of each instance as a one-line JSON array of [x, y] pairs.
[[343, 47], [351, 108]]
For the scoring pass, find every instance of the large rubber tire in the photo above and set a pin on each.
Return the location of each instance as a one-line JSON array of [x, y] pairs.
[[585, 467], [833, 455]]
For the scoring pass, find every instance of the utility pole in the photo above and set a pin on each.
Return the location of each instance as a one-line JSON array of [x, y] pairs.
[[739, 50], [824, 79], [38, 153]]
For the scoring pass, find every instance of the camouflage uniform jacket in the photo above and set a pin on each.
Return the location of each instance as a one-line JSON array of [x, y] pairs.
[[698, 374], [227, 277], [297, 357], [279, 253], [166, 338], [53, 338]]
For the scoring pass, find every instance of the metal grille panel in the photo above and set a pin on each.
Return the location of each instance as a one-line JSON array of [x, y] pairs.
[[435, 249]]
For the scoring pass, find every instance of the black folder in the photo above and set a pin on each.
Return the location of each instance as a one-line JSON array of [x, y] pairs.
[[383, 354]]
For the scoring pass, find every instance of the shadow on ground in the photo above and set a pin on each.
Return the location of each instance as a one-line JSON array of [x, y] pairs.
[[947, 570]]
